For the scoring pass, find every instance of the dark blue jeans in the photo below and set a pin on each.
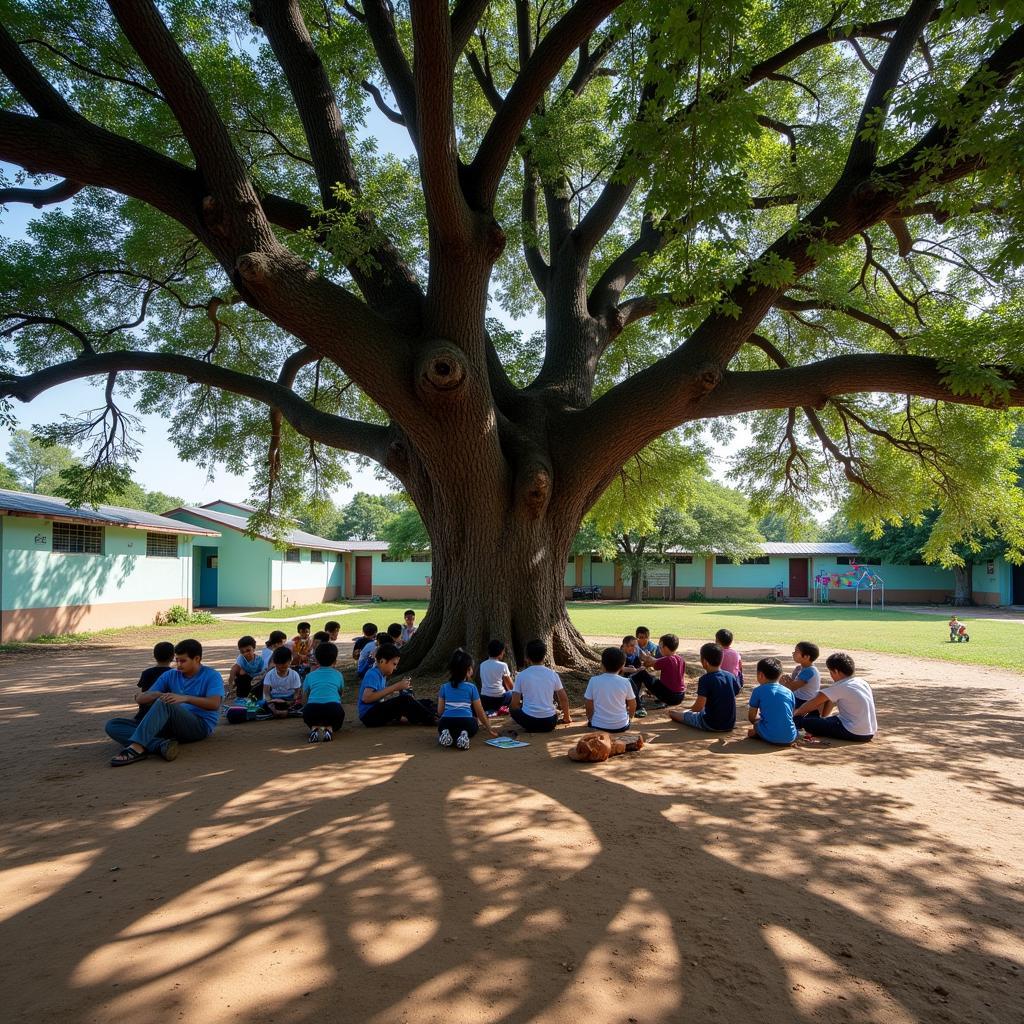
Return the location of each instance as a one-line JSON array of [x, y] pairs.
[[830, 727], [160, 723], [531, 724]]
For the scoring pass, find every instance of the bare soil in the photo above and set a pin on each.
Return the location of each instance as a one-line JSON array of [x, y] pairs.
[[380, 878]]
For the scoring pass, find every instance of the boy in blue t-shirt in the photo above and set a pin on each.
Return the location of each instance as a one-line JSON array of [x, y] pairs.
[[771, 706], [247, 672], [714, 710], [183, 707], [322, 689], [382, 702], [805, 680]]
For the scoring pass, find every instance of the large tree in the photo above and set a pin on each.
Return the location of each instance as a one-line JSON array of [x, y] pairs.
[[785, 211]]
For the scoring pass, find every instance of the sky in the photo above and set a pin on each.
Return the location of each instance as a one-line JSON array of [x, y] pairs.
[[159, 467]]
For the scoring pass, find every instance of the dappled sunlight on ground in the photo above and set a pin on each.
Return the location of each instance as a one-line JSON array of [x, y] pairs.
[[264, 880]]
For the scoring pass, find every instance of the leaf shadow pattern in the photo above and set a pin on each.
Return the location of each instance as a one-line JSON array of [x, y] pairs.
[[382, 879]]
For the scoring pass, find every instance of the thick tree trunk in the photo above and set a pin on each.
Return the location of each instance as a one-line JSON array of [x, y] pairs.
[[497, 578], [963, 585], [636, 589]]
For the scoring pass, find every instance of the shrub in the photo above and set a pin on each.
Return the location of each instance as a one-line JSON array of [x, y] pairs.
[[696, 595], [179, 615]]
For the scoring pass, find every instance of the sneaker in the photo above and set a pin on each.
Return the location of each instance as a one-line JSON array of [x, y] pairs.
[[463, 741], [504, 710], [492, 714], [445, 738], [263, 715], [640, 713], [169, 750], [314, 736], [328, 735]]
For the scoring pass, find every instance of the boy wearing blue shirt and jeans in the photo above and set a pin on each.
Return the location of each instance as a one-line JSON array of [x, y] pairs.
[[184, 707], [771, 706], [714, 710], [322, 710], [381, 702]]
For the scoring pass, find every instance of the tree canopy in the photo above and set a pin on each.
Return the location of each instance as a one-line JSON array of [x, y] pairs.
[[806, 216]]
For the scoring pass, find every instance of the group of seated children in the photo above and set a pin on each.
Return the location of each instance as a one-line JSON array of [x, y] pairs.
[[779, 706], [363, 647]]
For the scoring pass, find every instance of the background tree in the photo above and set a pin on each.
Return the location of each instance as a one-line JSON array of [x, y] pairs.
[[787, 214], [366, 516], [406, 533], [36, 465], [778, 527]]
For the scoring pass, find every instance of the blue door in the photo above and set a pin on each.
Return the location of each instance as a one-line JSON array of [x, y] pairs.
[[208, 577]]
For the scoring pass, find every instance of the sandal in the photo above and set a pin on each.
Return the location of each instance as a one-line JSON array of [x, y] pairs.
[[128, 756]]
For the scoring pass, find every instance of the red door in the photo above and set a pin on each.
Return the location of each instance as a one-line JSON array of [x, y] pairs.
[[364, 575], [798, 577]]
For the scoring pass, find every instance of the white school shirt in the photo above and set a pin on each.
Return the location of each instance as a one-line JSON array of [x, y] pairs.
[[855, 705], [491, 673], [538, 684], [609, 693]]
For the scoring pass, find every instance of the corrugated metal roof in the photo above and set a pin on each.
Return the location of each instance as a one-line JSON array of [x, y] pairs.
[[22, 503], [296, 538], [778, 547], [367, 545]]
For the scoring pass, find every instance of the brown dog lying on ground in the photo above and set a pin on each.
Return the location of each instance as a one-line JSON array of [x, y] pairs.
[[599, 746]]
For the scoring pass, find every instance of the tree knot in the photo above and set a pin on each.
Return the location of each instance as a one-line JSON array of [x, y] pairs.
[[443, 369], [709, 378], [254, 267]]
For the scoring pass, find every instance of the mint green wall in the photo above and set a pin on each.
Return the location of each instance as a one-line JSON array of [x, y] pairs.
[[896, 577], [305, 574], [757, 576], [569, 579], [243, 565], [598, 574], [32, 575], [406, 573], [690, 576], [1000, 582]]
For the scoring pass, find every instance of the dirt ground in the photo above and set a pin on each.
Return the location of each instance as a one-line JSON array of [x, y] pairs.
[[383, 879]]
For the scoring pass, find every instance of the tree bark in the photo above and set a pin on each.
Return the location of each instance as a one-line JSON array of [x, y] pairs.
[[496, 576], [963, 585]]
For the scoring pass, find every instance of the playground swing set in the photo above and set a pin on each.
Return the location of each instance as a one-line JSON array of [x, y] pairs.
[[858, 578]]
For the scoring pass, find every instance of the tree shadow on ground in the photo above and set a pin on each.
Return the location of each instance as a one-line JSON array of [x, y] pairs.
[[382, 879]]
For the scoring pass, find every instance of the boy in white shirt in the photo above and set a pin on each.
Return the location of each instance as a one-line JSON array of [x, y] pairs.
[[609, 697], [495, 679], [852, 700], [282, 687], [535, 691]]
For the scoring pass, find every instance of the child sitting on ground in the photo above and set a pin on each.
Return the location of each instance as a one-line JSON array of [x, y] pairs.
[[644, 642], [409, 629], [332, 629], [714, 710], [302, 648], [460, 713], [247, 671], [849, 696], [670, 688], [381, 702], [282, 686], [958, 632], [631, 652], [609, 697], [495, 679], [805, 681], [322, 711], [275, 641], [369, 632], [731, 660], [163, 655], [536, 689], [771, 706]]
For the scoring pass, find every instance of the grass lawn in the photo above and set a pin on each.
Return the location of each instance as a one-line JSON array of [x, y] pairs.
[[996, 643]]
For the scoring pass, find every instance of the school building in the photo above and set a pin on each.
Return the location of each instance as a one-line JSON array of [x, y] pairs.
[[789, 567], [66, 570], [239, 570]]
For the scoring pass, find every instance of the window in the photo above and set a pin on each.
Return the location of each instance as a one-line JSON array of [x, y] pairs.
[[390, 558], [76, 539], [857, 560], [421, 558], [291, 555], [684, 559], [316, 556], [726, 560], [161, 545], [337, 556], [596, 560]]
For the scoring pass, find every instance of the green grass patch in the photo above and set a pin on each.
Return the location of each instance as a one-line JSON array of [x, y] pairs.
[[332, 611], [832, 627]]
